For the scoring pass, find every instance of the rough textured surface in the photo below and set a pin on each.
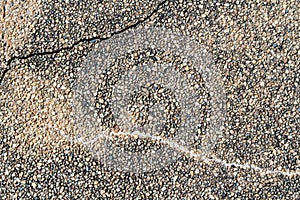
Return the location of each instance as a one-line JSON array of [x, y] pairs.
[[18, 19], [255, 46]]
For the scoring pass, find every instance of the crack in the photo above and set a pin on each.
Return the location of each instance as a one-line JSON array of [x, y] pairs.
[[159, 6]]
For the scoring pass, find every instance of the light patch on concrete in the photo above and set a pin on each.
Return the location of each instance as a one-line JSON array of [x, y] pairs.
[[17, 20]]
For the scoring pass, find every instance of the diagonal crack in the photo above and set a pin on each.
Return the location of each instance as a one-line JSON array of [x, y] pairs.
[[160, 5]]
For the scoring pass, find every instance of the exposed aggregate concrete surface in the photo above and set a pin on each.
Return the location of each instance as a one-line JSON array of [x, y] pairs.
[[254, 45]]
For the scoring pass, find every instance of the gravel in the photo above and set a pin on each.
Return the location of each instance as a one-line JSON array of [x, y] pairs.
[[254, 45]]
